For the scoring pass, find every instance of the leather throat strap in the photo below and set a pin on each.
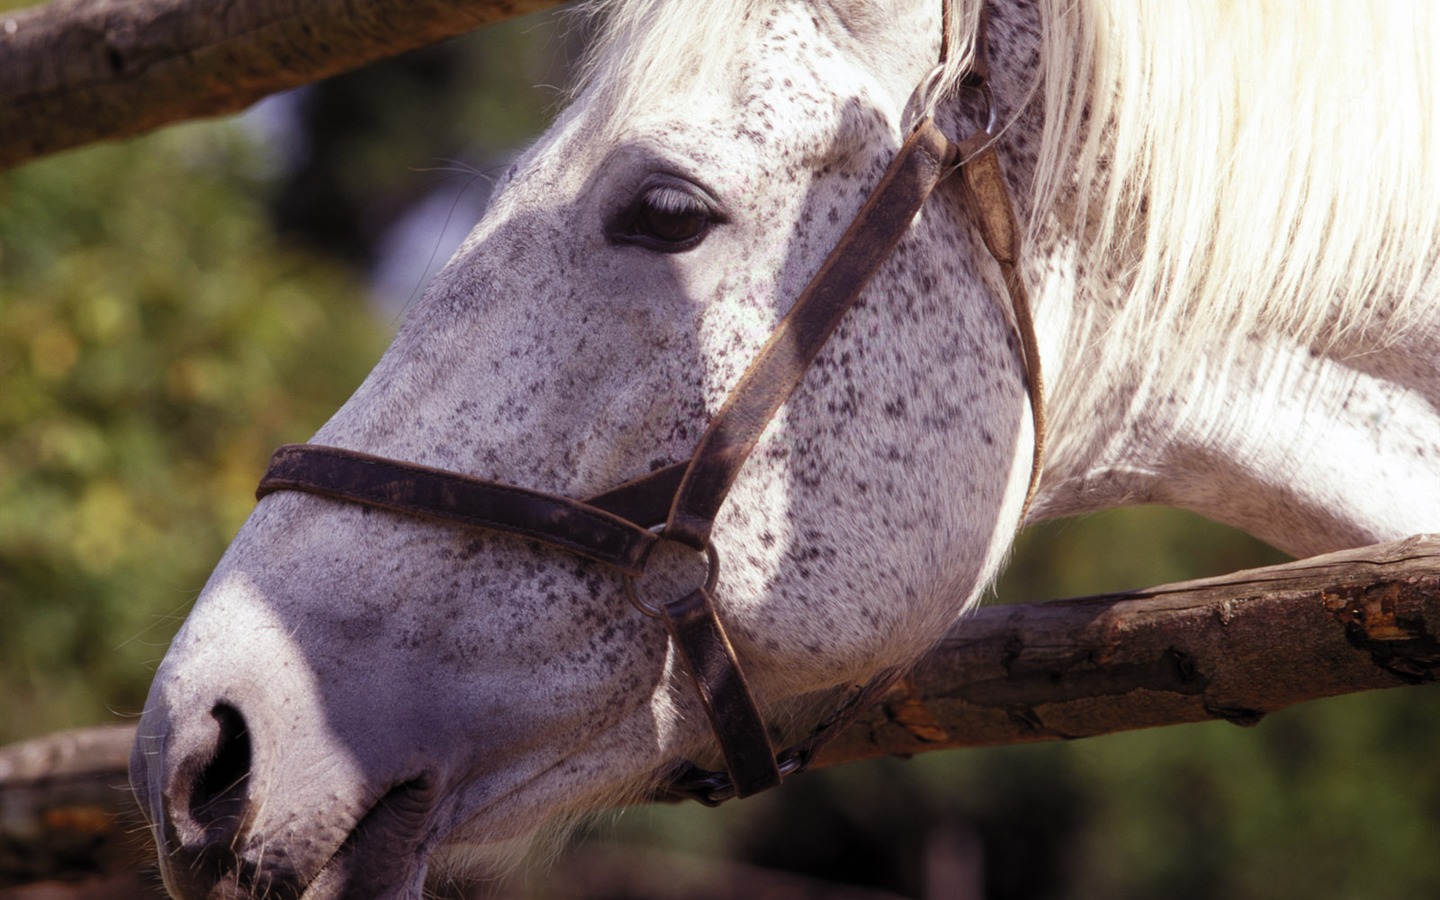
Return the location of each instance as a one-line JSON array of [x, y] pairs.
[[617, 527], [988, 198], [704, 649]]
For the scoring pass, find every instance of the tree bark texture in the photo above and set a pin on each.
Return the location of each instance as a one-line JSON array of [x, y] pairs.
[[1232, 648], [77, 71], [66, 811]]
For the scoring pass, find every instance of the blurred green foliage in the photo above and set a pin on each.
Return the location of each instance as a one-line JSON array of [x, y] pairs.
[[156, 341], [158, 338]]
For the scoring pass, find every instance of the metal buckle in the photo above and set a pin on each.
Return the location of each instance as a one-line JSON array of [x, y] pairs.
[[657, 611], [708, 787]]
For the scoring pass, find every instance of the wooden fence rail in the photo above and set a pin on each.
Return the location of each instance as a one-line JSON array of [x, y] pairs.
[[1233, 648], [77, 71]]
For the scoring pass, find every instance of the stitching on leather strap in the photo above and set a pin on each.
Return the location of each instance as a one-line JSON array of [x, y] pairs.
[[412, 489]]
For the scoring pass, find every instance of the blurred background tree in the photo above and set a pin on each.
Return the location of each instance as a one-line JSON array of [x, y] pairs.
[[172, 308], [155, 338]]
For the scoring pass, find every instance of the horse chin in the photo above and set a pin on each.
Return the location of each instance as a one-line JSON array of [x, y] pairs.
[[384, 854], [393, 851], [363, 878], [483, 859], [492, 860]]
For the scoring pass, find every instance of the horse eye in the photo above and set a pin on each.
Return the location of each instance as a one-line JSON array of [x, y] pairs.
[[667, 219]]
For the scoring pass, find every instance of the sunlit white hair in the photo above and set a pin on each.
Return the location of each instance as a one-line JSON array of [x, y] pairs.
[[1259, 166], [644, 48]]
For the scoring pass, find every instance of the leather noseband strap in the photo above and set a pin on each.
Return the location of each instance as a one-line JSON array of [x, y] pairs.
[[585, 529], [622, 527]]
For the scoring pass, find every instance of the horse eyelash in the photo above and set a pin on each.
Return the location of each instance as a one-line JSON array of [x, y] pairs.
[[667, 199]]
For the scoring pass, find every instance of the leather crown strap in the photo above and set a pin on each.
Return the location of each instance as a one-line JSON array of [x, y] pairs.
[[622, 527]]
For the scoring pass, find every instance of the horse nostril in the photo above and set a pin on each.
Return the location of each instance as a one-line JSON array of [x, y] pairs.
[[206, 807], [221, 789]]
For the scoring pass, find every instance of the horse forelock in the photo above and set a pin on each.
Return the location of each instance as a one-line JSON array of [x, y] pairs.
[[647, 48]]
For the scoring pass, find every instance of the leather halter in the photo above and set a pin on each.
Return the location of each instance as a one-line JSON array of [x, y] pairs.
[[622, 527]]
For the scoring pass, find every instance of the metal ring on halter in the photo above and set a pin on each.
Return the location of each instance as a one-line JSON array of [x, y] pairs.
[[712, 575], [992, 115]]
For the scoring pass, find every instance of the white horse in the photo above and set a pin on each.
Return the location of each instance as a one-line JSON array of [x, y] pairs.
[[1232, 215]]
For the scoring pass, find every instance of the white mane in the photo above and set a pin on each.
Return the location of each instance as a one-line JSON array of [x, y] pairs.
[[1260, 167], [1255, 166], [647, 47]]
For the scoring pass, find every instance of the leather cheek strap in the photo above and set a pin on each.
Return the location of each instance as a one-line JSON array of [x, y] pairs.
[[988, 197], [923, 161], [926, 157]]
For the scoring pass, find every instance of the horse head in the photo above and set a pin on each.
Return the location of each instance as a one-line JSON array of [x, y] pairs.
[[356, 688]]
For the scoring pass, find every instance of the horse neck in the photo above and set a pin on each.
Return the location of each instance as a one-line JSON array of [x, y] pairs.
[[1309, 447]]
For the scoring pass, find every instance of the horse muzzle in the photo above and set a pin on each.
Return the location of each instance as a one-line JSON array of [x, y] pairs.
[[254, 787], [226, 828]]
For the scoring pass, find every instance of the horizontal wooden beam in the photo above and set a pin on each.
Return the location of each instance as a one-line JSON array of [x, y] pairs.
[[77, 71], [1232, 648]]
